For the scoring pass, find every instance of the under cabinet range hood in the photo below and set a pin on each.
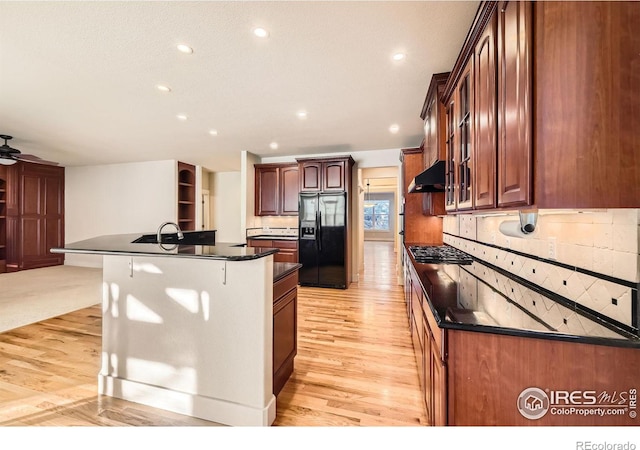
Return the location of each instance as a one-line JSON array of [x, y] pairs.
[[430, 180]]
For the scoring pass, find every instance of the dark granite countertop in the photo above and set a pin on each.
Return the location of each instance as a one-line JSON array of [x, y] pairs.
[[282, 269], [464, 297], [122, 244], [273, 237]]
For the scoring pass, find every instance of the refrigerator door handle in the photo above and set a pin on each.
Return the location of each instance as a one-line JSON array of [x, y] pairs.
[[319, 229]]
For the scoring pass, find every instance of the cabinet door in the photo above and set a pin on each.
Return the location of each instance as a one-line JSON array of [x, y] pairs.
[[450, 168], [439, 383], [41, 219], [428, 375], [514, 103], [310, 176], [485, 147], [267, 182], [333, 176], [464, 139], [430, 133], [289, 189], [284, 338]]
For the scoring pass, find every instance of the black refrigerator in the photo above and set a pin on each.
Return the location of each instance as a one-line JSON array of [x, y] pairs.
[[322, 233]]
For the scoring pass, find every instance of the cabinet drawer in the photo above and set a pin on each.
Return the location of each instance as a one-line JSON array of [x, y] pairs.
[[284, 285], [259, 243], [288, 256], [284, 244]]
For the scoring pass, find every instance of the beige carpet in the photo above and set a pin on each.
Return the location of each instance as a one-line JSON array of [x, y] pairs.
[[30, 296]]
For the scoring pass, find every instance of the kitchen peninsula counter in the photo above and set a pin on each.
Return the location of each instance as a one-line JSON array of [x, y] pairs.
[[188, 328], [123, 244]]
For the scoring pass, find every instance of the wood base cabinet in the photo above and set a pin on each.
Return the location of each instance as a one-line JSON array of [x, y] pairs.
[[285, 329], [478, 378], [288, 250]]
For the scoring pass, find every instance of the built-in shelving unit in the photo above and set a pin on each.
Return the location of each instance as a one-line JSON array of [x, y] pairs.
[[3, 221], [186, 196]]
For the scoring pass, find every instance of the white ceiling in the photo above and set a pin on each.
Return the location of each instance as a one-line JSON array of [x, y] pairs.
[[78, 79]]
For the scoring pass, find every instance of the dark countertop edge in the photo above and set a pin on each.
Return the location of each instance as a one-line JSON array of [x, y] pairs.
[[266, 252], [267, 237], [282, 269], [611, 342]]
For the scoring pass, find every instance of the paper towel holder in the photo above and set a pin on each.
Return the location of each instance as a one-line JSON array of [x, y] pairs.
[[528, 220]]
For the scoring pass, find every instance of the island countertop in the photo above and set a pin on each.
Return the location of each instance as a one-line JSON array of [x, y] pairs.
[[123, 244]]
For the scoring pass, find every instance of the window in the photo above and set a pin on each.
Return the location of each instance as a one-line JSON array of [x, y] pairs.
[[376, 215]]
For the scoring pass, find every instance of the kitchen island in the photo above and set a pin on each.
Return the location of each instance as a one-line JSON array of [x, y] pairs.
[[187, 328]]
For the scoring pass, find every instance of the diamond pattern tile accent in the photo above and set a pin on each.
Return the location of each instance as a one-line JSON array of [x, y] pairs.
[[584, 289]]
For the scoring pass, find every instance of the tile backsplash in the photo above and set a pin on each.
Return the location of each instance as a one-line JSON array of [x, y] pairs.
[[590, 257]]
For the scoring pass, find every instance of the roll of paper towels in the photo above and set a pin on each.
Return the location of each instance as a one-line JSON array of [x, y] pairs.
[[512, 228]]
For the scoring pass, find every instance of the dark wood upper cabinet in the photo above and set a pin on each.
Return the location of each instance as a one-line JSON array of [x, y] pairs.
[[485, 118], [515, 155], [310, 176], [326, 174], [554, 102], [276, 189], [464, 115], [267, 190], [434, 116], [289, 190], [587, 104]]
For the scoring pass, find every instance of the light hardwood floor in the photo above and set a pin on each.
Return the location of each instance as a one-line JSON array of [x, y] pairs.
[[355, 364]]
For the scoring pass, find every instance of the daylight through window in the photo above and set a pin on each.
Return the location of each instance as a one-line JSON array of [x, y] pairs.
[[376, 215]]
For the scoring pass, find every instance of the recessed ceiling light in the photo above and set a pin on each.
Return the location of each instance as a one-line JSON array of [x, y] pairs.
[[182, 117], [163, 88], [399, 56], [213, 132], [394, 128], [184, 48], [273, 146], [302, 114], [260, 32]]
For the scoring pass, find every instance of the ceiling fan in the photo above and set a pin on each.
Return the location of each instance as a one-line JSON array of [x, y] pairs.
[[10, 155]]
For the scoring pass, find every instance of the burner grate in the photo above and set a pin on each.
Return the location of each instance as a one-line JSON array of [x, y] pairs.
[[443, 254]]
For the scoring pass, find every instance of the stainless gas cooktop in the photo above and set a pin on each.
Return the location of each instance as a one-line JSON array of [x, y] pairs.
[[439, 254]]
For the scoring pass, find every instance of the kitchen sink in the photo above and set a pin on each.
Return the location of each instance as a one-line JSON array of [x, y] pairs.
[[207, 237]]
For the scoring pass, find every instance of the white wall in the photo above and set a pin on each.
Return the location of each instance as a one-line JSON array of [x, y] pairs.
[[115, 199], [224, 188]]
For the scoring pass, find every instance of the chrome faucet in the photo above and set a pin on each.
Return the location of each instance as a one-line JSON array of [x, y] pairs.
[[159, 235]]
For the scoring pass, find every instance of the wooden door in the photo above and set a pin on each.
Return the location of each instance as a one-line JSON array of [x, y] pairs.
[[266, 191], [514, 103], [289, 190], [485, 146]]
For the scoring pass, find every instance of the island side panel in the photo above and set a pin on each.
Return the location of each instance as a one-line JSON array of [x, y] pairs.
[[190, 335]]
